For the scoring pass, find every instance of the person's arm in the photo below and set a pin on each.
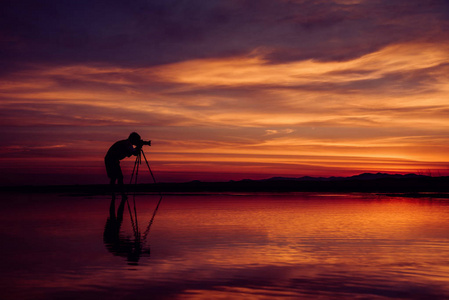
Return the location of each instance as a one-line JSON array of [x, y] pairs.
[[132, 151], [136, 150]]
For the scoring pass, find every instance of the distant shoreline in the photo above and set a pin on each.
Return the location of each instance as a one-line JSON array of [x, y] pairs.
[[410, 185]]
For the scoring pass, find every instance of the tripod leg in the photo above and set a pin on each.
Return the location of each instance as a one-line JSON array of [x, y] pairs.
[[148, 165], [136, 173], [139, 161], [134, 169]]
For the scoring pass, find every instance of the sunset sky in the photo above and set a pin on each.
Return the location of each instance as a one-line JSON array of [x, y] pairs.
[[226, 90]]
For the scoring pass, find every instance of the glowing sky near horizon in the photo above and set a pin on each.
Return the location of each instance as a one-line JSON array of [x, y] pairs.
[[226, 90]]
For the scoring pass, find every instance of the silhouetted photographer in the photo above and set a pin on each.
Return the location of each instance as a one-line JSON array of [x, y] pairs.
[[118, 151]]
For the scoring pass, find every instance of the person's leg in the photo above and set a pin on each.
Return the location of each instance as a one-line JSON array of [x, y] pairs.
[[111, 170], [112, 185], [120, 185]]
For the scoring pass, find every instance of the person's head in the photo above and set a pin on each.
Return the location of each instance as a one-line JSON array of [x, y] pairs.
[[134, 138]]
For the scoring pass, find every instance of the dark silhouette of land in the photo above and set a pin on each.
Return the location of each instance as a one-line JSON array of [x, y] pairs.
[[408, 185]]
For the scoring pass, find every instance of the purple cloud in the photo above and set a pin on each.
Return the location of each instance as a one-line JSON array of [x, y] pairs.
[[144, 33]]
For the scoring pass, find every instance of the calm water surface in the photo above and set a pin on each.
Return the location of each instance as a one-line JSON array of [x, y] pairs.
[[311, 246]]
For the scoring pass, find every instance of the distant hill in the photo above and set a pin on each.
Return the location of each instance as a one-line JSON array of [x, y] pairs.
[[366, 182], [364, 176]]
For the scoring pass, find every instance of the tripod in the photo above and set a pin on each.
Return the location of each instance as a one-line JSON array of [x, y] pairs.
[[136, 167], [139, 239]]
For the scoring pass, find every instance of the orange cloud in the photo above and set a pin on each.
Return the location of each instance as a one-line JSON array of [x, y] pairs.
[[384, 111]]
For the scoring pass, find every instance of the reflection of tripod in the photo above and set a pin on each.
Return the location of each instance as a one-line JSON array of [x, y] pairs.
[[122, 245]]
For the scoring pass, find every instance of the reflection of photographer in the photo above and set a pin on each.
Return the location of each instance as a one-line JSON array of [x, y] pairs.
[[119, 244], [117, 152]]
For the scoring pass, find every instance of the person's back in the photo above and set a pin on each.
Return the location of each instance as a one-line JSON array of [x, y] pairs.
[[120, 150]]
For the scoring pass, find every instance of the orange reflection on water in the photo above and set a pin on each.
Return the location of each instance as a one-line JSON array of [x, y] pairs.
[[303, 230], [233, 246]]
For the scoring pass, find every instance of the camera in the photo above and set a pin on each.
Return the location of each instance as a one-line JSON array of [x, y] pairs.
[[142, 142]]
